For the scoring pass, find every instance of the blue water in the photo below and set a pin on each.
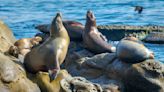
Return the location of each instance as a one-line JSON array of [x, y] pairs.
[[23, 15]]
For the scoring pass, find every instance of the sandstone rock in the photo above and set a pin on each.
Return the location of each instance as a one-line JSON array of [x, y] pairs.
[[6, 37], [12, 77], [79, 84], [43, 81]]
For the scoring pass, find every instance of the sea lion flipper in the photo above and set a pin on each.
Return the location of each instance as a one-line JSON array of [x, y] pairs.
[[103, 37], [56, 68]]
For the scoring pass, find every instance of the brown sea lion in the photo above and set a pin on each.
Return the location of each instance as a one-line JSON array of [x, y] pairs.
[[131, 51], [74, 29], [50, 54], [93, 39], [24, 45]]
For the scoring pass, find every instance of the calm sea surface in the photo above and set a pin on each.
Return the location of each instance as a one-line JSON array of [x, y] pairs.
[[23, 15]]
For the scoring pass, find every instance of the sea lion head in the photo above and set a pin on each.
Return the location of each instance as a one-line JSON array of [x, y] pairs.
[[91, 19], [139, 9], [13, 50], [56, 24], [36, 40]]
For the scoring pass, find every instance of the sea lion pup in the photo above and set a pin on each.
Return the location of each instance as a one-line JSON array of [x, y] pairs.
[[93, 39], [130, 51], [50, 54], [24, 45], [73, 28]]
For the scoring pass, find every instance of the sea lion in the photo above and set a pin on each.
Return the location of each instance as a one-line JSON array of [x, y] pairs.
[[43, 36], [50, 54], [24, 45], [93, 39], [74, 29], [139, 9], [131, 51]]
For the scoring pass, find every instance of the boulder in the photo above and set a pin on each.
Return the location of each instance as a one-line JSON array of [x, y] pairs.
[[79, 84], [13, 77], [93, 69], [6, 37], [113, 74], [147, 76], [43, 81]]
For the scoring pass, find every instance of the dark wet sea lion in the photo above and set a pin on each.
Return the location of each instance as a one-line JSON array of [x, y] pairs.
[[93, 39], [74, 29], [131, 51], [50, 54], [139, 9]]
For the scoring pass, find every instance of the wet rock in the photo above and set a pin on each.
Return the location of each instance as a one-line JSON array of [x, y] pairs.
[[117, 32], [7, 38], [79, 84], [146, 76], [13, 78], [155, 37]]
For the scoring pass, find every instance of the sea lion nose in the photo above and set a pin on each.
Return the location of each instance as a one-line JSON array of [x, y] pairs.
[[59, 14], [53, 74], [89, 11]]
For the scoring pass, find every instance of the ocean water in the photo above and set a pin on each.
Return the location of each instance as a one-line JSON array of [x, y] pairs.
[[23, 15]]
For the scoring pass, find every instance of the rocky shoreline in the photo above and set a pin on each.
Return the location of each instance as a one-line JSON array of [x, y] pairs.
[[82, 72], [117, 32]]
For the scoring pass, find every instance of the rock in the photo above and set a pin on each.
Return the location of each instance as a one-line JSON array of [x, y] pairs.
[[147, 76], [76, 51], [13, 78], [117, 32], [43, 80], [93, 69], [155, 37], [79, 84], [6, 37]]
